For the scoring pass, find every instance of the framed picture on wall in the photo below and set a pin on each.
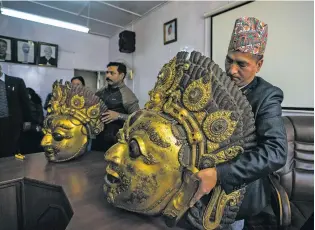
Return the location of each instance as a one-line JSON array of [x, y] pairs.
[[6, 49], [26, 51], [170, 31], [47, 54]]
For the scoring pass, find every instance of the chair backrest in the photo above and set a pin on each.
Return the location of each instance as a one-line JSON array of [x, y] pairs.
[[297, 176]]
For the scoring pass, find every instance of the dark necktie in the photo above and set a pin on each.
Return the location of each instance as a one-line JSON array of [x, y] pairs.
[[4, 111]]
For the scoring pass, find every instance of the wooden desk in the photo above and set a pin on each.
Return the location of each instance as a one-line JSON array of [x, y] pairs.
[[82, 181]]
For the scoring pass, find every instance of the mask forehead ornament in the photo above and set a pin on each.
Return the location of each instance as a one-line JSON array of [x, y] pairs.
[[206, 120], [73, 119]]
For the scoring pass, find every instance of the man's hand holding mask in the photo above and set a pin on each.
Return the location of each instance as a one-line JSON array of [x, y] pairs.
[[208, 180]]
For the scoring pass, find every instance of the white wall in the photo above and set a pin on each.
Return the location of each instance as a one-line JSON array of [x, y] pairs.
[[76, 51], [151, 53], [289, 56]]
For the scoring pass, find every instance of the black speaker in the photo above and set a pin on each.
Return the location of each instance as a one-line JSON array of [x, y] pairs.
[[127, 41], [27, 204]]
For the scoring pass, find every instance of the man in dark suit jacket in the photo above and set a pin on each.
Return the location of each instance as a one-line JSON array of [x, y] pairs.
[[14, 111], [251, 169]]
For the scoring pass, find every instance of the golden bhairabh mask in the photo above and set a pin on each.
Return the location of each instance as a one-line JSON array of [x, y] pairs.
[[196, 118], [74, 118]]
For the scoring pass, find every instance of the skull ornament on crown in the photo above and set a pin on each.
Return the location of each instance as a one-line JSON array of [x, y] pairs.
[[196, 118], [73, 119]]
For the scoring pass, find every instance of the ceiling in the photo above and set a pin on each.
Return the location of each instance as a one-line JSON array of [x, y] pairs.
[[104, 18]]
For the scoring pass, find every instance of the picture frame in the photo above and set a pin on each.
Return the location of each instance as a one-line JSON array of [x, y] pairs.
[[26, 51], [170, 31], [6, 49], [47, 54]]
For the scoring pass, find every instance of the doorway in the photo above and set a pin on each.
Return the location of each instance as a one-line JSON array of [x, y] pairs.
[[90, 78]]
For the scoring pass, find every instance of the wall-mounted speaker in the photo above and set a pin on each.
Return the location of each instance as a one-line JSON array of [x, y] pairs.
[[127, 41]]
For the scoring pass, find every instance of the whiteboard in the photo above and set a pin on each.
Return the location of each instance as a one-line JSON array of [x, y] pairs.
[[289, 55]]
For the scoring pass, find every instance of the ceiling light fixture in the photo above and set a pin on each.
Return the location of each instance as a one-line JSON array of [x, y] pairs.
[[44, 20]]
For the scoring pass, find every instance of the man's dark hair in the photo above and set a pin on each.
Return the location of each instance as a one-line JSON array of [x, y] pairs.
[[121, 68], [1, 40], [80, 78], [34, 96]]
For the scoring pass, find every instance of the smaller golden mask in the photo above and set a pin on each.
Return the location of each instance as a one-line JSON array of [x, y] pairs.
[[73, 119], [196, 118]]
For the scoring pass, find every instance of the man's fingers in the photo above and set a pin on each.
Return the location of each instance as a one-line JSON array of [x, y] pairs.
[[107, 116], [106, 113], [106, 119]]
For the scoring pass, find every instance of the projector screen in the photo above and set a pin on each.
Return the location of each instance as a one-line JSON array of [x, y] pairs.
[[289, 55]]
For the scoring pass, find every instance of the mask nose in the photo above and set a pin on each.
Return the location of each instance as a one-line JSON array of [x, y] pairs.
[[47, 140], [115, 153]]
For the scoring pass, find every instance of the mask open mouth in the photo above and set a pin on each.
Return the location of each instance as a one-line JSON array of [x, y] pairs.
[[50, 152], [111, 178]]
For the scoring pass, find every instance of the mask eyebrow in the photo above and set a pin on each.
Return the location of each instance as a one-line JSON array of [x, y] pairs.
[[150, 131], [60, 124]]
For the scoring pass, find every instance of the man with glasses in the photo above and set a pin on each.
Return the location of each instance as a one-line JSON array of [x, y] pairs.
[[120, 101]]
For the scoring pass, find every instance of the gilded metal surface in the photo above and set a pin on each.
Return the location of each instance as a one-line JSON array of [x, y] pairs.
[[167, 81], [153, 135], [219, 200], [74, 118], [200, 116], [178, 206], [191, 122], [218, 126], [140, 171], [198, 94], [227, 154], [211, 146]]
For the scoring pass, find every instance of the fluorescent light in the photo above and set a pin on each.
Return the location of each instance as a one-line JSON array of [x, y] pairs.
[[44, 20]]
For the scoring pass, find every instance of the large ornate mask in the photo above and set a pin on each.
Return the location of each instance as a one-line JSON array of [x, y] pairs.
[[74, 118], [196, 118]]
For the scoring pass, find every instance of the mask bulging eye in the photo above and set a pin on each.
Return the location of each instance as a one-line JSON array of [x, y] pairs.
[[57, 137], [134, 149]]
